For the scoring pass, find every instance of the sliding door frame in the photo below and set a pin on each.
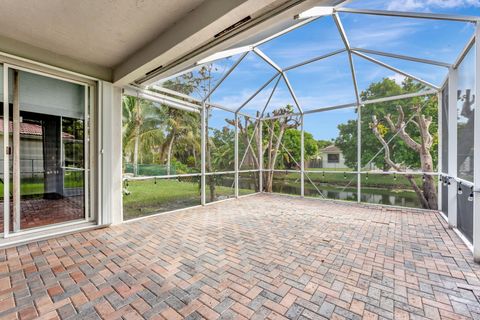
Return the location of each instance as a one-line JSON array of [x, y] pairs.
[[89, 87]]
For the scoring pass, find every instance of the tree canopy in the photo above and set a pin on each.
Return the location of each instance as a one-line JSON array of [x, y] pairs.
[[371, 154]]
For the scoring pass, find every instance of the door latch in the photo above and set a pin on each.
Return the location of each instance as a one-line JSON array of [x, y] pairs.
[[8, 150]]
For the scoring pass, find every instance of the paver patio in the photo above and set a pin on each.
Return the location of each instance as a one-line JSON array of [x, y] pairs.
[[268, 256], [42, 212]]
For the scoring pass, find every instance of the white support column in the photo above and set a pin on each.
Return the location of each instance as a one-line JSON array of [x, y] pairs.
[[302, 157], [452, 146], [439, 148], [109, 139], [115, 153], [203, 151], [260, 155], [359, 153], [476, 165], [236, 155]]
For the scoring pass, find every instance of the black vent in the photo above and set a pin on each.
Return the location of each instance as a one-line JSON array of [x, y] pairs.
[[233, 27], [153, 71]]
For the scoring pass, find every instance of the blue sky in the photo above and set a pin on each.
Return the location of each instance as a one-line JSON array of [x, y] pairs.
[[328, 82]]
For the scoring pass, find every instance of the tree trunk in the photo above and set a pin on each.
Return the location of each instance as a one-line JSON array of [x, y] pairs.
[[429, 189], [418, 191], [210, 178], [169, 151], [273, 158], [428, 194], [138, 124], [135, 151], [194, 153], [269, 174]]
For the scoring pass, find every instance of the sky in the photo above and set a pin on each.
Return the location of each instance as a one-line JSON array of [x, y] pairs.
[[328, 82]]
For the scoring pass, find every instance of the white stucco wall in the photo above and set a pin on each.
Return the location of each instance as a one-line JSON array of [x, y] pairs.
[[329, 165]]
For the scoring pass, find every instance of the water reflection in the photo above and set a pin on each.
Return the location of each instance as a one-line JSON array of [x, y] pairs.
[[403, 198]]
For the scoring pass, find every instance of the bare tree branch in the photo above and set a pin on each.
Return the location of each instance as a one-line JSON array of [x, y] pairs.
[[386, 147], [400, 129], [389, 161]]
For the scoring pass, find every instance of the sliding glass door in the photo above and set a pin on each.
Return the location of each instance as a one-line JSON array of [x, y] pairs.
[[45, 144], [5, 216]]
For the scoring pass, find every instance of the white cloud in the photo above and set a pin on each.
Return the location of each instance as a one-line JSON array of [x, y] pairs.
[[398, 78], [411, 5], [370, 31]]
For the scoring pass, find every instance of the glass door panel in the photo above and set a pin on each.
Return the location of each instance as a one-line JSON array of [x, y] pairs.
[[4, 220], [46, 130]]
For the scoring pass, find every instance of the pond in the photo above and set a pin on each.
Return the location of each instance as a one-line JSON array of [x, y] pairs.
[[394, 194], [152, 196]]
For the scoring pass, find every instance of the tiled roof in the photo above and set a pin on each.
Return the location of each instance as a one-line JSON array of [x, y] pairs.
[[30, 129], [331, 149]]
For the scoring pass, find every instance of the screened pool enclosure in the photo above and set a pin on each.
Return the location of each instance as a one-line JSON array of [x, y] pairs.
[[324, 107]]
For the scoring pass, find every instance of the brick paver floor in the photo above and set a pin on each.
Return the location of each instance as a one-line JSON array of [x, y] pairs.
[[41, 212], [265, 256]]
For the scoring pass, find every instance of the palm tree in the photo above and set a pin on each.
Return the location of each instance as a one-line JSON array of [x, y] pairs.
[[142, 128], [182, 127]]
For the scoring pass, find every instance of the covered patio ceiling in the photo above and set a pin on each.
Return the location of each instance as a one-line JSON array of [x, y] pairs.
[[122, 41]]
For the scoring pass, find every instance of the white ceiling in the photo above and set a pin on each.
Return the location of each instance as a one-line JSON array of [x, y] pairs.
[[102, 32], [122, 40]]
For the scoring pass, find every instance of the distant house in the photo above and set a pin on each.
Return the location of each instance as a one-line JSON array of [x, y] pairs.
[[332, 157], [31, 147]]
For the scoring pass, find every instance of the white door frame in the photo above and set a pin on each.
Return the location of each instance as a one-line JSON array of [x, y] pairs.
[[7, 148]]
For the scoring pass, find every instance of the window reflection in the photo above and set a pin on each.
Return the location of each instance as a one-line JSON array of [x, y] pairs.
[[465, 116]]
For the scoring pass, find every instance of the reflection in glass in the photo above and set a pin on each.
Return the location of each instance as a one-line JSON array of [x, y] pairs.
[[465, 212], [48, 144], [52, 169], [465, 116]]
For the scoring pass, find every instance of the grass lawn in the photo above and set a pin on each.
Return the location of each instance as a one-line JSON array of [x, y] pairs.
[[329, 169], [147, 197], [35, 186]]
